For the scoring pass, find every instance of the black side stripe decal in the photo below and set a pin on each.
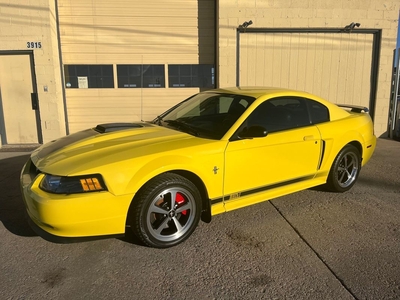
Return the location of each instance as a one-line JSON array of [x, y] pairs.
[[263, 188], [217, 200]]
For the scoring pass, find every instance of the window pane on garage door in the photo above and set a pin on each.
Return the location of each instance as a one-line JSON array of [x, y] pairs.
[[336, 66]]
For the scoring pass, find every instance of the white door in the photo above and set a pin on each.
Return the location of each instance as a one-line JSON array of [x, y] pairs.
[[18, 121]]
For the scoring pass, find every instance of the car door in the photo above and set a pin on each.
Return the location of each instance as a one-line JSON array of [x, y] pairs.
[[289, 153]]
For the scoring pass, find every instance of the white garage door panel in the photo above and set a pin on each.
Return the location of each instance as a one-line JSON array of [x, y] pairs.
[[334, 66]]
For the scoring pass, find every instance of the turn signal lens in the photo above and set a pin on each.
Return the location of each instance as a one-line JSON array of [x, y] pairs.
[[91, 184]]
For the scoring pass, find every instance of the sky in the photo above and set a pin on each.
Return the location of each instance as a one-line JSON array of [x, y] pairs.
[[398, 44], [398, 40], [398, 34]]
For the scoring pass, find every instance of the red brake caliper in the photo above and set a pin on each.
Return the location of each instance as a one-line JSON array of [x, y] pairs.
[[179, 200]]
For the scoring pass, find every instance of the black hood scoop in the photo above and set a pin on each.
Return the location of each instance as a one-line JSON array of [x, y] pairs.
[[111, 127]]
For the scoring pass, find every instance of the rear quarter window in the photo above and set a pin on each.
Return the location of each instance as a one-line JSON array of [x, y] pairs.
[[319, 113]]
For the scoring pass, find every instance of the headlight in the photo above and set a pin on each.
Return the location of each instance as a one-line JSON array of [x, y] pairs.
[[72, 185]]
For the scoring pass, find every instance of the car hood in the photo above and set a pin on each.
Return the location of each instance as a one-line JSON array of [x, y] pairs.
[[91, 148]]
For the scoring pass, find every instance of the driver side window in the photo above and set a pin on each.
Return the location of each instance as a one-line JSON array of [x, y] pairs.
[[280, 114]]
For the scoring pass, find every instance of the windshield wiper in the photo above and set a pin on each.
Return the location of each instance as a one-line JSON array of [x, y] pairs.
[[158, 121], [183, 126]]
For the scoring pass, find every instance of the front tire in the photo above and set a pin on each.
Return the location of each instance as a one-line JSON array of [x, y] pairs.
[[166, 211], [345, 169]]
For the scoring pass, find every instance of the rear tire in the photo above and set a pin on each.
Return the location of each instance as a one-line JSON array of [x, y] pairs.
[[345, 170], [166, 211]]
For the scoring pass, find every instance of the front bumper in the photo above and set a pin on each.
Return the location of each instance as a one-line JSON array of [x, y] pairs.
[[74, 215], [67, 240]]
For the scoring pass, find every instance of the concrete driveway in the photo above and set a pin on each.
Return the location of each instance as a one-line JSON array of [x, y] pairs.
[[309, 245]]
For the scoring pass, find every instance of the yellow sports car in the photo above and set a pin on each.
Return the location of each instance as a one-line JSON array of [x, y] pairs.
[[216, 151]]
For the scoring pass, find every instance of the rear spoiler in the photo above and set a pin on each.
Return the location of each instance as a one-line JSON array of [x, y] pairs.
[[354, 108]]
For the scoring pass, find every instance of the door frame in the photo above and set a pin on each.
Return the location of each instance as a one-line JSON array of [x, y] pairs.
[[376, 50], [34, 90], [393, 126]]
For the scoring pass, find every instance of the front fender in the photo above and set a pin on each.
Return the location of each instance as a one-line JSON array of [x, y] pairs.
[[202, 166]]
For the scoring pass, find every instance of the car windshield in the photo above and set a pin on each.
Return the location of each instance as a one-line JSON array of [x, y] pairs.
[[208, 115]]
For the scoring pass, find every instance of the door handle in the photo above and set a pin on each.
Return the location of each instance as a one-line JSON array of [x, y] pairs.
[[309, 138], [34, 101]]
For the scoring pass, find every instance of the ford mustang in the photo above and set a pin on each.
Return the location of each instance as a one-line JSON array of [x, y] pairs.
[[216, 151]]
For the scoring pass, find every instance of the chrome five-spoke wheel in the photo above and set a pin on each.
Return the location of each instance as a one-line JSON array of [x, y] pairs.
[[348, 169], [345, 169], [171, 214], [166, 211]]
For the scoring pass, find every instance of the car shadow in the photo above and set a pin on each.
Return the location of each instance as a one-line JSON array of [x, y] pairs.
[[321, 188], [130, 238], [12, 209]]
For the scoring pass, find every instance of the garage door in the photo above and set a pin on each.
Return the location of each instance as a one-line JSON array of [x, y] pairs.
[[335, 66], [113, 46]]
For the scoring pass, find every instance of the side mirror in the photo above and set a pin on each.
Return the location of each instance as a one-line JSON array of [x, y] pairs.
[[253, 132]]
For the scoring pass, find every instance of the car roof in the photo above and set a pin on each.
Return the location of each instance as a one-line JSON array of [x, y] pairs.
[[270, 92], [255, 91]]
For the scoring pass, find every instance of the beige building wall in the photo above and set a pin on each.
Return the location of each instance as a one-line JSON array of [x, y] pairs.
[[132, 32], [168, 32], [24, 21], [377, 14]]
